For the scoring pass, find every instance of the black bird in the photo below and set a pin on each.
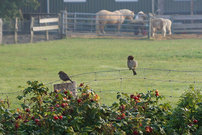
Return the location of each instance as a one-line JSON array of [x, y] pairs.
[[132, 64], [63, 76]]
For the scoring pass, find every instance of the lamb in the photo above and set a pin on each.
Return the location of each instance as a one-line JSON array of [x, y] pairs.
[[160, 24]]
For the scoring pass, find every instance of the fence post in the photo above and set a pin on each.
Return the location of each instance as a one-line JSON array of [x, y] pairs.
[[172, 20], [75, 20], [1, 30], [31, 29], [47, 35], [67, 86], [65, 21], [16, 31], [63, 24], [149, 27], [59, 24]]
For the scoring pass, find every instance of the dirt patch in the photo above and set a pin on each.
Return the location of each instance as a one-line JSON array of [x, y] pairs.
[[178, 36], [25, 38], [130, 36]]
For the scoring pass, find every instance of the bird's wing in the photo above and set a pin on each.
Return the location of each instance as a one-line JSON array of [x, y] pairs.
[[129, 64], [133, 64]]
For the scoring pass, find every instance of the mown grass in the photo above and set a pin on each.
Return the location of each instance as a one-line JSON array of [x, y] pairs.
[[42, 61]]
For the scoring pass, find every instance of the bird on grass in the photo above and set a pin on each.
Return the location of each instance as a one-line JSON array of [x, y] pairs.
[[63, 76], [132, 64]]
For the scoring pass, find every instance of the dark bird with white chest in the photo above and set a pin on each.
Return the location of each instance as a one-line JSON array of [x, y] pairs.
[[132, 64]]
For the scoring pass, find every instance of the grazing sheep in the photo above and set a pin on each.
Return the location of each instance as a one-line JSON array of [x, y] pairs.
[[168, 26], [158, 24]]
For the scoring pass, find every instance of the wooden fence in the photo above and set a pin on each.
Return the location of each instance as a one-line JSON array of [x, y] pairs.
[[46, 28]]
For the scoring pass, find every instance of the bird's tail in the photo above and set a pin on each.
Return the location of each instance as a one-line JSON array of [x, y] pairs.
[[134, 72], [71, 81]]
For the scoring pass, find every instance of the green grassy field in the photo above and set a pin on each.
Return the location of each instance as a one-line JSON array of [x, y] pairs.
[[42, 61]]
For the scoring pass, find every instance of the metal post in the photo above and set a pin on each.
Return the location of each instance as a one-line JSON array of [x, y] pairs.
[[31, 29], [152, 6], [1, 31], [75, 21], [149, 27], [48, 7], [192, 7], [65, 23], [16, 31]]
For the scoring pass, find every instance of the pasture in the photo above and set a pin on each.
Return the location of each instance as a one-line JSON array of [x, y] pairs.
[[157, 60]]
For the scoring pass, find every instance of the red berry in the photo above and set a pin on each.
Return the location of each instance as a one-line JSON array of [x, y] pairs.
[[79, 100], [136, 98], [195, 121], [60, 117], [27, 110], [64, 105], [148, 129], [122, 107], [26, 121], [17, 125], [135, 132], [57, 105], [19, 117], [190, 125], [32, 118], [65, 92], [119, 118], [157, 94], [131, 96], [123, 115], [36, 120], [81, 84], [55, 117], [138, 95]]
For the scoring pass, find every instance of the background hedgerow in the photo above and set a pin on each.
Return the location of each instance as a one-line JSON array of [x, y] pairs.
[[59, 112]]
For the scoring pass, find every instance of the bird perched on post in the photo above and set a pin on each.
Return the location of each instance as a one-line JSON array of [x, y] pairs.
[[63, 76], [132, 64]]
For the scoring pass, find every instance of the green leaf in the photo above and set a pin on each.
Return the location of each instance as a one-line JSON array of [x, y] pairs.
[[87, 129], [19, 97]]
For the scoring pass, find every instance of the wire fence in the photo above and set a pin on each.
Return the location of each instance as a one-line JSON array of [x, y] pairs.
[[120, 78]]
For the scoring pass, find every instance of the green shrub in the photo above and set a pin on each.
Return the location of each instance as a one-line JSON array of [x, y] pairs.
[[187, 116], [59, 112]]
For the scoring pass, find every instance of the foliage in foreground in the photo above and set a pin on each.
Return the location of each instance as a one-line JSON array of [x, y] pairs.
[[59, 112]]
